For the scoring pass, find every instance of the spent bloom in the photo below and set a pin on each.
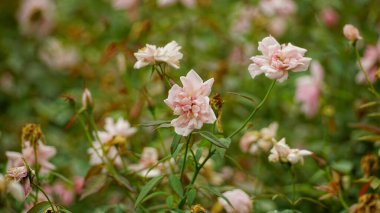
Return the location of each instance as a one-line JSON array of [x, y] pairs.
[[370, 62], [20, 175], [277, 60], [36, 17], [11, 187], [44, 153], [151, 54], [58, 57], [308, 89], [351, 32], [191, 103], [255, 141], [282, 153], [240, 201]]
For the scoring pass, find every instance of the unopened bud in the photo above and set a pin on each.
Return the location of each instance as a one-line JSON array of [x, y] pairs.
[[351, 33], [87, 99]]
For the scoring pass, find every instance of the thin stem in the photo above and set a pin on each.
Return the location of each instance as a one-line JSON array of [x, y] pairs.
[[201, 166], [36, 168], [47, 197], [294, 185], [254, 111], [372, 88], [184, 158], [342, 201]]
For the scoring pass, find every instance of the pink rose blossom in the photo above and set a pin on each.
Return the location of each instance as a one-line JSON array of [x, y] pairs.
[[255, 141], [240, 201], [36, 17], [370, 62], [308, 89], [191, 103], [44, 153], [277, 60], [351, 32], [329, 17], [277, 26]]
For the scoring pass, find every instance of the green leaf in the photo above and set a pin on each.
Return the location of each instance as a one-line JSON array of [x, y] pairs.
[[93, 185], [170, 201], [176, 139], [123, 181], [176, 152], [216, 192], [220, 142], [147, 188], [154, 123], [191, 195], [176, 184], [41, 207], [375, 183]]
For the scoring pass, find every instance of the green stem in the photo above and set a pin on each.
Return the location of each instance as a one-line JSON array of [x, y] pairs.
[[294, 185], [254, 111], [36, 168], [372, 88], [341, 199], [47, 197], [201, 166], [184, 158]]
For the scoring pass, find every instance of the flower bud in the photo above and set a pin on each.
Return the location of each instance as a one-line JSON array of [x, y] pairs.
[[87, 99], [351, 33]]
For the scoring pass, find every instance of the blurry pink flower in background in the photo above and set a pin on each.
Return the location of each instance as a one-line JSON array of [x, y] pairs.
[[278, 7], [186, 3], [309, 88], [149, 158], [282, 153], [44, 153], [58, 57], [255, 141], [240, 201], [244, 20], [277, 60], [351, 32], [191, 103], [78, 184], [65, 195], [329, 16], [370, 62], [277, 26], [148, 55], [124, 4], [12, 187], [36, 17], [20, 175]]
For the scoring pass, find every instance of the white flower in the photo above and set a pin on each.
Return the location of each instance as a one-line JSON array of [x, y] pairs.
[[120, 128], [58, 57], [240, 201], [282, 153], [150, 54], [149, 158]]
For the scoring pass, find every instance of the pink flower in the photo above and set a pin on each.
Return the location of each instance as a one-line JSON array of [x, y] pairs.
[[370, 62], [240, 201], [66, 196], [277, 60], [124, 4], [44, 153], [329, 16], [186, 3], [20, 175], [282, 153], [351, 32], [191, 103], [278, 7], [256, 141], [149, 158], [36, 17], [169, 54], [119, 128], [78, 184], [308, 89], [277, 26]]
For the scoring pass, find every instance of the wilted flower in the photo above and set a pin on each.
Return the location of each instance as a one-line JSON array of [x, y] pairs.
[[17, 173], [11, 187], [58, 57], [282, 153], [36, 17], [278, 7], [332, 189], [150, 54], [149, 158], [277, 60], [370, 63], [191, 103], [44, 153], [367, 203], [369, 164], [240, 201], [309, 88], [351, 32], [256, 141]]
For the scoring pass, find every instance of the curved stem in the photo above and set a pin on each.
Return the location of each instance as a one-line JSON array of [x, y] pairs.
[[184, 158], [254, 111], [44, 193], [372, 88]]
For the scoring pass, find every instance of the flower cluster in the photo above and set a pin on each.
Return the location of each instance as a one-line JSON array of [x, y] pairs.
[[255, 141], [282, 153]]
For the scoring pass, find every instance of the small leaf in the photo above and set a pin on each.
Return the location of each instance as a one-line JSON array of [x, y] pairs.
[[147, 188], [176, 184], [191, 196], [93, 185], [176, 140], [176, 152], [375, 183], [170, 201], [220, 142], [123, 181], [41, 207], [154, 123]]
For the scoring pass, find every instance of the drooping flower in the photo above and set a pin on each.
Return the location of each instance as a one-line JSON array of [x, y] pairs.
[[255, 141], [370, 63], [240, 201], [351, 32], [309, 88], [36, 17], [277, 60], [150, 54], [20, 175], [191, 103], [58, 57], [282, 153], [44, 153], [11, 187]]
